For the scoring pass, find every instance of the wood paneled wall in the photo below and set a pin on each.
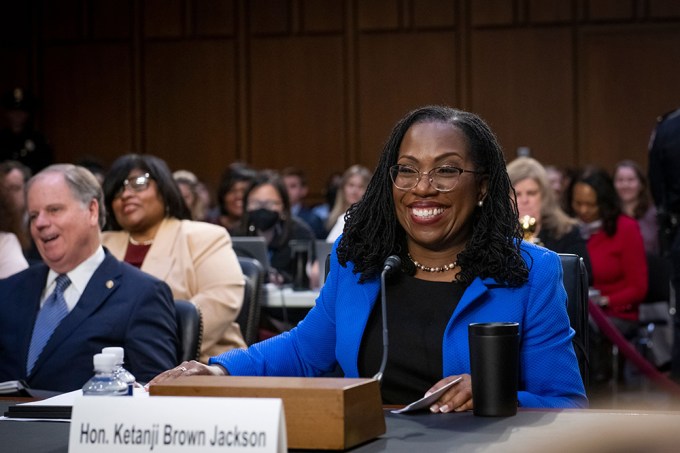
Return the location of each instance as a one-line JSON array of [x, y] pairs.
[[319, 83]]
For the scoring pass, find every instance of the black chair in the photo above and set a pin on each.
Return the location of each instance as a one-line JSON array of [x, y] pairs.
[[249, 316], [654, 335], [575, 281], [189, 330]]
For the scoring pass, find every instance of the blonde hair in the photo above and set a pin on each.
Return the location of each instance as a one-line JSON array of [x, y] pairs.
[[341, 205], [553, 218]]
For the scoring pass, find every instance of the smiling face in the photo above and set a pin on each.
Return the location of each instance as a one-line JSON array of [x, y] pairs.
[[65, 231], [139, 212], [627, 184], [436, 221]]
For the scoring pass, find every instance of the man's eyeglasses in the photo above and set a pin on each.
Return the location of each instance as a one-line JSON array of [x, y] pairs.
[[444, 178], [136, 184]]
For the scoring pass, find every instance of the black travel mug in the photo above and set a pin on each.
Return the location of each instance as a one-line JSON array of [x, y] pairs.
[[300, 251], [494, 366]]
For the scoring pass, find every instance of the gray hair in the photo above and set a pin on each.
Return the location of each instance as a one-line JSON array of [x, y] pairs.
[[83, 184]]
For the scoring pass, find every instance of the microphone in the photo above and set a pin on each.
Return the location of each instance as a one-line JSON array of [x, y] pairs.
[[391, 266]]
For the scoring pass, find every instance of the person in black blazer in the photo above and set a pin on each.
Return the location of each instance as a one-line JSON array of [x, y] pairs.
[[109, 303]]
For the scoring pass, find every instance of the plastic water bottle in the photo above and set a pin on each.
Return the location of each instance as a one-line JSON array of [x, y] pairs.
[[122, 374], [104, 382]]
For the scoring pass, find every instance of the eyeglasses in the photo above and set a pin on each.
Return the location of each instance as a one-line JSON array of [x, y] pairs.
[[444, 178], [264, 204], [136, 184]]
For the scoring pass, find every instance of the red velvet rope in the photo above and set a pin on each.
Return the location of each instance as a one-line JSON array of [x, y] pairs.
[[627, 349]]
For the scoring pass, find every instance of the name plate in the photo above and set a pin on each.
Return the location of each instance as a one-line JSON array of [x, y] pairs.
[[177, 424]]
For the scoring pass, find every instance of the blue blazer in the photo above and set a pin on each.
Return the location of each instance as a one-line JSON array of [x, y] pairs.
[[121, 306], [332, 331]]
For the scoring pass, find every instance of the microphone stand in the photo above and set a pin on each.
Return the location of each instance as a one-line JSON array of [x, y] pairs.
[[383, 306]]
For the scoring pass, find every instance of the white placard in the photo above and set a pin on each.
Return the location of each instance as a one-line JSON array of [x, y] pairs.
[[177, 424]]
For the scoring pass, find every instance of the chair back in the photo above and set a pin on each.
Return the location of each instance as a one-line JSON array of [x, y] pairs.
[[189, 330], [575, 280], [249, 316]]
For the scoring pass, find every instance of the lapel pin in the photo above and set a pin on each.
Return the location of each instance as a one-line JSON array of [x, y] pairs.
[[109, 284]]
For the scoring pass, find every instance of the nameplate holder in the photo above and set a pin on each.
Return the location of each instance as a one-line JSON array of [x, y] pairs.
[[321, 413], [177, 424]]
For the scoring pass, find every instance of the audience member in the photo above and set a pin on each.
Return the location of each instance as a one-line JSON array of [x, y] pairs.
[[296, 185], [13, 177], [553, 228], [203, 194], [440, 201], [57, 315], [233, 185], [352, 187], [20, 141], [151, 230], [617, 257], [664, 168], [322, 210], [268, 215], [631, 186], [555, 180], [12, 258], [188, 187]]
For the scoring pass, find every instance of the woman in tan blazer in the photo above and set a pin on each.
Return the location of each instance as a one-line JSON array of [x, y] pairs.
[[151, 230]]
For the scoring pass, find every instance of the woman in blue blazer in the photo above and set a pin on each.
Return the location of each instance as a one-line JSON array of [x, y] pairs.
[[439, 199]]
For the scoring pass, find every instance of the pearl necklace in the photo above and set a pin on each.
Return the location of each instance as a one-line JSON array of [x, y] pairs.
[[133, 242], [444, 268]]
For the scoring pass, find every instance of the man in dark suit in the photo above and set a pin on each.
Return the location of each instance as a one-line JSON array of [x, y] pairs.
[[55, 316], [664, 168]]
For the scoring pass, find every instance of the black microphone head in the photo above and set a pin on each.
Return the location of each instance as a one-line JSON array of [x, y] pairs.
[[392, 264]]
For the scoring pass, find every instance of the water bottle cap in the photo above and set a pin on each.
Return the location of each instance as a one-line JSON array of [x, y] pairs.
[[115, 350], [104, 362]]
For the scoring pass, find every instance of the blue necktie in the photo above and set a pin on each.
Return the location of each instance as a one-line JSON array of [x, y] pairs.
[[50, 315]]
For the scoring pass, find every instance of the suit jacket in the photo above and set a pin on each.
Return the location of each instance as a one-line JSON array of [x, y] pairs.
[[332, 332], [198, 263], [120, 306]]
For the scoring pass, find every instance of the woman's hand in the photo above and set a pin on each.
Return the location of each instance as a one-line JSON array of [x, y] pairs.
[[192, 368], [458, 398]]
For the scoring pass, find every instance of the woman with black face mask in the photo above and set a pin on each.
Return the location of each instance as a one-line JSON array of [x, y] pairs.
[[267, 214]]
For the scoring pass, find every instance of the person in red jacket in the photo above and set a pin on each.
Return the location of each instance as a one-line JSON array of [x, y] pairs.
[[617, 258]]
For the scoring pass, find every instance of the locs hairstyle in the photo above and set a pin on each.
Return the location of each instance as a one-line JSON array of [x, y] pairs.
[[372, 231], [158, 171]]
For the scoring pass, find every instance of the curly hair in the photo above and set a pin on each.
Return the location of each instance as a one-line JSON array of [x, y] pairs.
[[372, 231]]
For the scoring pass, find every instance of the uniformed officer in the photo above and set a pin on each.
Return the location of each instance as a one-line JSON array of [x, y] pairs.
[[664, 180], [19, 141]]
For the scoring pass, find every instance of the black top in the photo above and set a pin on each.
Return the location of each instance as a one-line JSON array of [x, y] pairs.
[[664, 163], [417, 314], [282, 258], [571, 242]]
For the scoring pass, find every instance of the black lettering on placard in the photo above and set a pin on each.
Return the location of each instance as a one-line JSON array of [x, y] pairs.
[[92, 435], [237, 438], [182, 437], [135, 436]]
